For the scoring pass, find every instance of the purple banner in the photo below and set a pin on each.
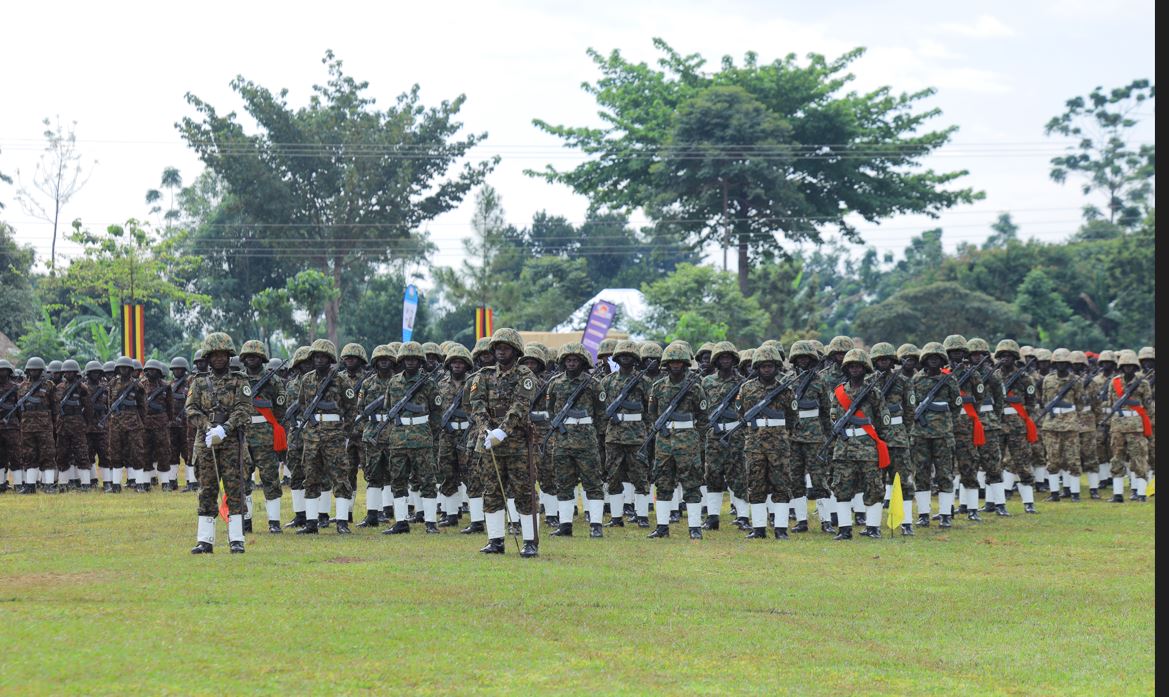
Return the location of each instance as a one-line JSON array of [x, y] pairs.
[[600, 319]]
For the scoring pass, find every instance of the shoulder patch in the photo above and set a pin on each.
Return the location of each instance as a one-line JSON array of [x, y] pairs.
[[702, 404], [528, 384], [1030, 389], [280, 400], [957, 401], [886, 419], [795, 405], [912, 397], [603, 397], [437, 400], [247, 391], [978, 388], [349, 393]]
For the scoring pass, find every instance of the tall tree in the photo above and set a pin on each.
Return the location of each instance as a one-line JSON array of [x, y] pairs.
[[59, 175], [1104, 156], [4, 179], [172, 182], [751, 155], [18, 302], [338, 185], [1003, 232]]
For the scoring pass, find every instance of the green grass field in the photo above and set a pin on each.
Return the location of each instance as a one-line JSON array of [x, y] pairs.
[[100, 596]]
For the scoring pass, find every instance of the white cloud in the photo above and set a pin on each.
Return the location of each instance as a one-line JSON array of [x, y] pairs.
[[928, 48], [969, 79], [985, 27]]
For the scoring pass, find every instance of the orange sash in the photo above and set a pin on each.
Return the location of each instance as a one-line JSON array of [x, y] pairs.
[[1118, 387], [279, 438], [1032, 431], [882, 448], [968, 408]]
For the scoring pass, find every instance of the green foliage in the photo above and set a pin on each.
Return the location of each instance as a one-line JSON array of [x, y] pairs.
[[928, 313], [92, 335], [18, 302], [1038, 300], [709, 299], [375, 314], [309, 292]]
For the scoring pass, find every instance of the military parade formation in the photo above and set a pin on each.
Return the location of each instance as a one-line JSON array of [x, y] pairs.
[[510, 431]]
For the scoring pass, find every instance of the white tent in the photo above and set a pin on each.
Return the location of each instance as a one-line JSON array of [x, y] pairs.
[[630, 301]]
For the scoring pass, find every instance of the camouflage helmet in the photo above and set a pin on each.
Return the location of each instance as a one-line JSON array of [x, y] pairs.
[[606, 347], [54, 366], [840, 344], [882, 348], [446, 346], [706, 347], [1128, 357], [253, 347], [676, 351], [138, 364], [766, 354], [1007, 346], [1026, 351], [1042, 354], [198, 354], [123, 362], [324, 346], [432, 348], [977, 345], [1147, 353], [108, 366], [481, 346], [725, 347], [275, 363], [1061, 355], [92, 366], [218, 341], [649, 350], [536, 352], [300, 355], [355, 350], [574, 348], [394, 346], [683, 342], [411, 349], [5, 365], [746, 356], [153, 364], [458, 352], [818, 346], [34, 363], [907, 351], [857, 356], [382, 351], [954, 342], [625, 346], [803, 348], [70, 366], [509, 336], [933, 348], [778, 346], [179, 362], [1106, 356], [1079, 358]]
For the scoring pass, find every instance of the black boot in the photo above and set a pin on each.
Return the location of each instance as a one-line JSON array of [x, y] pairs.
[[676, 516], [203, 548], [642, 521], [1117, 498], [742, 523], [274, 527], [343, 527], [418, 517], [1029, 508], [563, 530], [552, 521], [988, 508], [476, 526], [696, 533], [757, 534], [464, 508], [595, 530], [962, 510], [834, 521], [323, 520], [237, 547], [828, 527], [872, 531], [297, 520], [1094, 494], [628, 512], [923, 520], [431, 528], [845, 533], [451, 520], [944, 522], [801, 526], [247, 525], [660, 531], [1001, 510], [107, 487], [387, 514], [711, 523], [859, 517], [617, 522], [907, 530], [310, 527], [973, 515], [1143, 498], [1053, 497], [370, 521], [513, 528], [493, 546], [400, 528], [781, 533], [530, 549]]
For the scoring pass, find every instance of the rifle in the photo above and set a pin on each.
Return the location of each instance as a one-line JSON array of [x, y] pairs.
[[839, 425], [1055, 400], [969, 372], [20, 402], [557, 422], [157, 391], [664, 418], [926, 400], [264, 379], [449, 414], [312, 406], [1015, 376], [1119, 405], [8, 394], [370, 409], [400, 405], [117, 403], [716, 414], [64, 398], [751, 414], [615, 404]]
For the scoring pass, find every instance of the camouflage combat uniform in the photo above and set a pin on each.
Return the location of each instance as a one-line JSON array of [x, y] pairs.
[[725, 465], [625, 433], [502, 398], [323, 452], [126, 423], [219, 400], [573, 452], [766, 447], [38, 420], [75, 417], [854, 455], [412, 437], [261, 445], [933, 434], [1061, 428], [156, 426], [678, 447]]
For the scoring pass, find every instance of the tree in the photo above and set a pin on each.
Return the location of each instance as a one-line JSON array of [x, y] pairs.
[[172, 182], [1038, 299], [310, 292], [493, 259], [58, 177], [4, 179], [930, 312], [18, 302], [1004, 232], [338, 185], [375, 315], [703, 297], [1103, 157], [754, 154]]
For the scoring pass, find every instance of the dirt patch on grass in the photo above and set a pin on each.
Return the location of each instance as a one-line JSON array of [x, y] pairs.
[[344, 560]]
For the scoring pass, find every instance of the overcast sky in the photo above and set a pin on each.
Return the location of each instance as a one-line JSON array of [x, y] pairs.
[[120, 71]]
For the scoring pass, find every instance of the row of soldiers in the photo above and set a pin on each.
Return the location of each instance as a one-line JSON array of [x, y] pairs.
[[475, 432]]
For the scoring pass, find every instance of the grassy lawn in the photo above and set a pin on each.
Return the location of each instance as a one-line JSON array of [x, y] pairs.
[[98, 595]]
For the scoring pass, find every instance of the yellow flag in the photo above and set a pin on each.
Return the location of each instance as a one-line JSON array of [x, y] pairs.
[[896, 504], [1151, 489]]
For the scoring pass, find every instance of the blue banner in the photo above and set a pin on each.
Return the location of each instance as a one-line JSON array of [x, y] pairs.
[[409, 311]]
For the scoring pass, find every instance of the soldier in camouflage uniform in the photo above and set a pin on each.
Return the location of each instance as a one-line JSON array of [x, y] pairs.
[[200, 362], [75, 416], [38, 421], [375, 455], [217, 407], [434, 360], [856, 455], [1086, 418], [295, 455], [604, 352], [536, 361], [704, 357], [126, 420], [182, 438], [833, 372], [1061, 429], [10, 445], [266, 438], [573, 450], [808, 432], [625, 432], [1147, 357], [355, 360], [1042, 367], [481, 356], [1101, 391], [412, 436], [453, 455], [933, 434], [678, 447], [899, 403], [725, 467], [766, 447], [990, 455], [1130, 428], [501, 398], [323, 436], [969, 432], [155, 434], [1018, 428], [650, 360], [97, 438]]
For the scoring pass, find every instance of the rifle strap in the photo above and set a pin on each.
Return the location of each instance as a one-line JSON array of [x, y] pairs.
[[882, 447], [1146, 425]]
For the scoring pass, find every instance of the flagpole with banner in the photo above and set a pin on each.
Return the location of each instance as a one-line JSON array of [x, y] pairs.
[[600, 320], [409, 311]]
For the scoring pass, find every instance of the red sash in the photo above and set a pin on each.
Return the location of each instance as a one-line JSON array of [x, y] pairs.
[[1032, 431], [882, 448], [972, 413], [1118, 387], [279, 438]]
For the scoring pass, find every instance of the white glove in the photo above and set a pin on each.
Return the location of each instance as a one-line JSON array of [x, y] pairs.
[[215, 436], [494, 437]]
